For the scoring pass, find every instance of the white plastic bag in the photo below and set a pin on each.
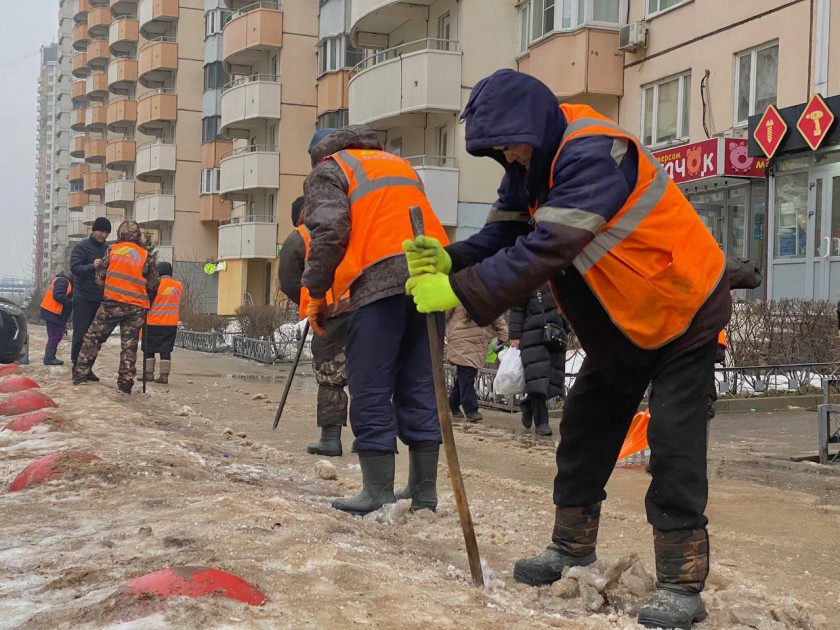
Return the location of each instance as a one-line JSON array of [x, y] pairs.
[[510, 379]]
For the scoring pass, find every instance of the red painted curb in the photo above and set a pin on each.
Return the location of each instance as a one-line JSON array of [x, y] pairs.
[[195, 582], [24, 402], [17, 384], [47, 468], [8, 368], [26, 421]]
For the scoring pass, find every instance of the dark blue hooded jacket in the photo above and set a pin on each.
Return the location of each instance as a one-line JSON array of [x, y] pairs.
[[510, 258]]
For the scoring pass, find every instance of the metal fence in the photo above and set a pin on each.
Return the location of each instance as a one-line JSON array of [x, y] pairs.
[[266, 351], [201, 341], [828, 421]]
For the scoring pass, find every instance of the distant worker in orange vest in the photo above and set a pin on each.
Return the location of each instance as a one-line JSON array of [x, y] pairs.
[[56, 308], [329, 361], [162, 325], [129, 276], [585, 206], [357, 201]]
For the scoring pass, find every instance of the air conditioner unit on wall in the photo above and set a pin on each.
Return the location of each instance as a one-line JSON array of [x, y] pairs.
[[632, 37]]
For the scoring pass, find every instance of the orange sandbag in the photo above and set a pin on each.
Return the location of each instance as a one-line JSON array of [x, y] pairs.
[[17, 384], [636, 439]]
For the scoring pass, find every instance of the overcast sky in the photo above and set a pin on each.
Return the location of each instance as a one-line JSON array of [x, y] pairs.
[[23, 30]]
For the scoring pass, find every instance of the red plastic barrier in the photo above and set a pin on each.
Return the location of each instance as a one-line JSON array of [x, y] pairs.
[[17, 384], [48, 467], [195, 582], [8, 368], [26, 421], [24, 402]]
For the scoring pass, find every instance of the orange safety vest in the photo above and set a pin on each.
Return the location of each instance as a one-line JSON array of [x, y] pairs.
[[382, 189], [165, 309], [654, 264], [722, 340], [52, 305], [304, 292], [124, 281]]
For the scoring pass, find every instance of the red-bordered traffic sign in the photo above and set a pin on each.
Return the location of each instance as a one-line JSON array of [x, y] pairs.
[[815, 122]]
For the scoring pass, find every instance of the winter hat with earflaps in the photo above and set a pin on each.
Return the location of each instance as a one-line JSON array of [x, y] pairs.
[[130, 231]]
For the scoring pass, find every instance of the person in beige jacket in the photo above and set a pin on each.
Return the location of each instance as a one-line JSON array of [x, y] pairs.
[[466, 349]]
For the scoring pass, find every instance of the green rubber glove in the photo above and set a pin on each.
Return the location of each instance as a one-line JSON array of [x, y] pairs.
[[426, 255], [432, 292]]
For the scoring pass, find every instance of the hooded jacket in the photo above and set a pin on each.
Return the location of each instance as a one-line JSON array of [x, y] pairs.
[[84, 273], [466, 341], [59, 292], [509, 258], [327, 216], [129, 232]]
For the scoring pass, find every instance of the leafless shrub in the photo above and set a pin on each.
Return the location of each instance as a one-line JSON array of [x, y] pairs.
[[204, 322]]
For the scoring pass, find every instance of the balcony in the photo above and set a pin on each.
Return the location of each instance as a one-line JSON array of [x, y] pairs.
[[96, 85], [94, 183], [76, 201], [156, 111], [155, 208], [158, 61], [420, 77], [90, 212], [80, 38], [78, 92], [122, 114], [586, 61], [95, 151], [332, 91], [80, 10], [155, 159], [120, 154], [373, 20], [440, 180], [122, 74], [77, 173], [249, 33], [77, 146], [98, 54], [79, 67], [123, 35], [213, 209], [119, 193], [76, 228], [156, 16], [255, 237], [98, 21], [78, 119], [248, 102], [249, 168], [96, 117], [122, 8]]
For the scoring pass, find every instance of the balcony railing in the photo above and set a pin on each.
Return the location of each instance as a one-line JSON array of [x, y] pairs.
[[430, 43], [256, 78], [255, 6], [247, 102]]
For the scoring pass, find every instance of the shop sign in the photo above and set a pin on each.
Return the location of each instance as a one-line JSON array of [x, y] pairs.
[[710, 158], [770, 131], [815, 122]]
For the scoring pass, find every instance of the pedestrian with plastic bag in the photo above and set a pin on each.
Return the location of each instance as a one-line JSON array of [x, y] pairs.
[[541, 333]]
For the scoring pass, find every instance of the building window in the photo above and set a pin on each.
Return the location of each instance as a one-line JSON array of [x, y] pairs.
[[338, 118], [665, 110], [215, 76], [210, 129], [335, 53], [538, 18], [210, 181], [658, 6], [756, 77], [214, 21]]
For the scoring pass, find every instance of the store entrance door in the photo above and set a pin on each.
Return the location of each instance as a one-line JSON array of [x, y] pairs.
[[712, 217], [822, 273]]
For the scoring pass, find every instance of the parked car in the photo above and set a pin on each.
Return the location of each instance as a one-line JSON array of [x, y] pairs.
[[14, 337]]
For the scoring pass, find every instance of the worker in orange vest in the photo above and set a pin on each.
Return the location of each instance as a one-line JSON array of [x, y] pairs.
[[162, 324], [329, 361], [585, 206], [56, 308], [129, 276], [357, 201]]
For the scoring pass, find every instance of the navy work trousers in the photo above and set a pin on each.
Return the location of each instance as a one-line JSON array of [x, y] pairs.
[[389, 375]]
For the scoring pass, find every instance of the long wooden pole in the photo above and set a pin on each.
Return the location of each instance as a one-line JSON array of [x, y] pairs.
[[282, 405], [445, 418]]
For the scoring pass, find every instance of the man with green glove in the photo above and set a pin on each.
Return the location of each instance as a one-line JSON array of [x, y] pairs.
[[583, 205]]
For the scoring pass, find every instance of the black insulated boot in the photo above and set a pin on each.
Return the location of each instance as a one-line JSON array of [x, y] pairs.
[[682, 565], [330, 444], [49, 357], [527, 413], [422, 477], [573, 544], [541, 417], [377, 485]]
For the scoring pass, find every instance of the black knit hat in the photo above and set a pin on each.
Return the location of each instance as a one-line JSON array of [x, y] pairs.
[[297, 208], [102, 225]]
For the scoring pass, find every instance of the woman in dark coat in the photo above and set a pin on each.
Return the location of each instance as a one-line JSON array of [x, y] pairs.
[[544, 361]]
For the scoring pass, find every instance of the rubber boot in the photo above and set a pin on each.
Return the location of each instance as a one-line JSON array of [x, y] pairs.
[[572, 544], [165, 370], [682, 565], [330, 444], [377, 485], [541, 417], [149, 368], [527, 413], [422, 477], [49, 357]]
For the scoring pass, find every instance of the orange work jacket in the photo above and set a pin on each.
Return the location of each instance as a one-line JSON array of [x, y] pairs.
[[52, 305], [654, 264], [722, 340], [304, 292], [124, 281], [382, 188], [166, 309]]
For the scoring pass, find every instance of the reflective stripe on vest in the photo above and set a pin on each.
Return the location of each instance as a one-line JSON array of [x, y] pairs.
[[124, 281], [654, 264], [304, 292], [166, 308], [382, 187], [49, 303]]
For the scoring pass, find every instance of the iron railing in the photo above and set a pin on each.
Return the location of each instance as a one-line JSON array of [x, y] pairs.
[[201, 341], [269, 351], [429, 43]]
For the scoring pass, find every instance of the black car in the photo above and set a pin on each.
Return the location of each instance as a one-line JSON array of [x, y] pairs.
[[14, 338]]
